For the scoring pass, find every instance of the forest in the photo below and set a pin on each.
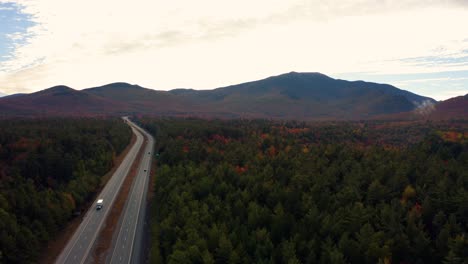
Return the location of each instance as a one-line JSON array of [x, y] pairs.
[[259, 191], [48, 169]]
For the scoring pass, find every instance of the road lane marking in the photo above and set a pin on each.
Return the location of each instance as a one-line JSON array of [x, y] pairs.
[[114, 194], [116, 180], [135, 198]]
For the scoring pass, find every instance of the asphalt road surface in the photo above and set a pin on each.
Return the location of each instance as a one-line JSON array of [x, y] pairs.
[[127, 248], [79, 246]]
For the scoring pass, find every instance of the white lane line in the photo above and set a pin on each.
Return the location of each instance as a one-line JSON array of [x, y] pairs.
[[126, 220], [137, 147], [143, 183], [76, 237], [140, 182]]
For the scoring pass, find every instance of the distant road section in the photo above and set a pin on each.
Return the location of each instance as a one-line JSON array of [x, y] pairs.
[[79, 246], [128, 246]]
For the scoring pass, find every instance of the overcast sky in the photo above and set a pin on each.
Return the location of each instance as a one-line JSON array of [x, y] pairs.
[[421, 46]]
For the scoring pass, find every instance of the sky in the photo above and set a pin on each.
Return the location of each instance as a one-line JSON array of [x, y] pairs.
[[420, 46]]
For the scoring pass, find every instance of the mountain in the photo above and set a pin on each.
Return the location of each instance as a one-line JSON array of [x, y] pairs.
[[2, 94], [453, 108], [144, 100], [14, 95], [306, 96], [58, 101]]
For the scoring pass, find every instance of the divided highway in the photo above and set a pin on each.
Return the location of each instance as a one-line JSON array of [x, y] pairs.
[[128, 246], [79, 246]]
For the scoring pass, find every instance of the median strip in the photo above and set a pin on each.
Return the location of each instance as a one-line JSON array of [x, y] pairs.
[[105, 237]]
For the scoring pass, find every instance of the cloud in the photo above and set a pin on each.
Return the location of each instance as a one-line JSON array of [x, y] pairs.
[[212, 43], [440, 88], [33, 76], [432, 80]]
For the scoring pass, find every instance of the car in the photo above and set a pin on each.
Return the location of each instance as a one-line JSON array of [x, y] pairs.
[[99, 204]]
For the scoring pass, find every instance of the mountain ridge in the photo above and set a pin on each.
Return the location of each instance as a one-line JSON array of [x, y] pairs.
[[58, 100], [293, 95]]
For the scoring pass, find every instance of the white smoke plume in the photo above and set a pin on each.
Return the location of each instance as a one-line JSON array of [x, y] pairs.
[[425, 108]]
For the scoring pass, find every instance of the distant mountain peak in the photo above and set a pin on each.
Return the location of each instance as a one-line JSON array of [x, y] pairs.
[[308, 74], [59, 89], [301, 77], [120, 85], [292, 73]]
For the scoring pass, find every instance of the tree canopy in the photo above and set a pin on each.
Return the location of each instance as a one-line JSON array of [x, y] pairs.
[[48, 169], [244, 191]]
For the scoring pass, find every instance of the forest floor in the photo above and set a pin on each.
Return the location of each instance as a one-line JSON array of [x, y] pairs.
[[106, 235], [56, 245]]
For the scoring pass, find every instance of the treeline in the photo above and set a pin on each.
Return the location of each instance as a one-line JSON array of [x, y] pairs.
[[265, 192], [48, 169]]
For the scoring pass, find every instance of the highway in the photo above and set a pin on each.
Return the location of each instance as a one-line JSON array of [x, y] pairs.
[[79, 246], [128, 245]]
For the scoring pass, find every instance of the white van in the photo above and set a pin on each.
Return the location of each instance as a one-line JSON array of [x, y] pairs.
[[99, 204]]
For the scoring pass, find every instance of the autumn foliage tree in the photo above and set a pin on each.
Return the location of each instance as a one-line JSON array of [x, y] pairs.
[[48, 169], [244, 191]]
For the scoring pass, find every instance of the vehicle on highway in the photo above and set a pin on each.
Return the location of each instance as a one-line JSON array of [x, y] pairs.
[[99, 204]]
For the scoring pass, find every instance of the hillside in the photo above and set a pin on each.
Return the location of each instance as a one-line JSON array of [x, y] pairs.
[[59, 101], [456, 107], [305, 96], [308, 96], [452, 108], [143, 100]]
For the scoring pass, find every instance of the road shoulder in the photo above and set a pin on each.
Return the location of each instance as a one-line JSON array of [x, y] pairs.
[[107, 235], [58, 243]]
